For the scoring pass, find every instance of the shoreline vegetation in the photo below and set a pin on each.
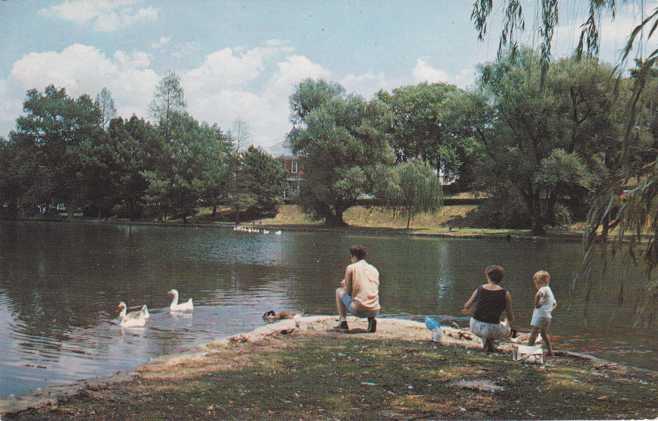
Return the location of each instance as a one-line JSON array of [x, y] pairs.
[[299, 369], [448, 222]]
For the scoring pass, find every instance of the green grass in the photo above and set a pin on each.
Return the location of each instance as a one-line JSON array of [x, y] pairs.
[[348, 377]]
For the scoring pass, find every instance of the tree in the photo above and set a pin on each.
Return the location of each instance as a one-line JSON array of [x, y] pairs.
[[415, 189], [134, 143], [264, 178], [545, 142], [168, 99], [185, 168], [343, 143], [105, 104], [421, 128], [54, 127]]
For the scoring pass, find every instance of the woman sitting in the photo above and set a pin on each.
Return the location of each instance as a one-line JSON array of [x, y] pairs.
[[486, 305]]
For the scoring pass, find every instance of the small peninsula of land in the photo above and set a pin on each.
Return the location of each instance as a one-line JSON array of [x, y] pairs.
[[302, 370]]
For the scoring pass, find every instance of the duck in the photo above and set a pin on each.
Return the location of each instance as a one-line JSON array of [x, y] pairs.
[[134, 318], [174, 306]]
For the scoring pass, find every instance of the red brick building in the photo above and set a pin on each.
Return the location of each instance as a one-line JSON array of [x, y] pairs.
[[294, 170]]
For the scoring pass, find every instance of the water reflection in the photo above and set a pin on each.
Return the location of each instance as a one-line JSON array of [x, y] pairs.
[[60, 284]]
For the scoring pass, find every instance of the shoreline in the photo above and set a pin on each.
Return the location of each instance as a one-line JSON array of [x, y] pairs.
[[455, 233], [235, 356]]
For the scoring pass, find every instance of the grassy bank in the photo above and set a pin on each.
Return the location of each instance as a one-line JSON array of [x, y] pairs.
[[447, 222], [450, 221], [310, 373]]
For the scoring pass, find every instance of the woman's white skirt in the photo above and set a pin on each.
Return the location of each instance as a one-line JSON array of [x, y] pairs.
[[490, 330]]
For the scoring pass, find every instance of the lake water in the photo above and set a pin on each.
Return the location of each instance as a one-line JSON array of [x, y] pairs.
[[60, 284]]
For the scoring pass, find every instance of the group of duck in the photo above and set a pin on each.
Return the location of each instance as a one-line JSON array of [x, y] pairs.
[[139, 318], [254, 230]]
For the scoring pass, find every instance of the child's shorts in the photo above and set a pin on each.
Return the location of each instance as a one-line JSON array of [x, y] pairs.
[[540, 321]]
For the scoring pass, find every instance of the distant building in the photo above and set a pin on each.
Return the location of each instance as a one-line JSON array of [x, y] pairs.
[[294, 170]]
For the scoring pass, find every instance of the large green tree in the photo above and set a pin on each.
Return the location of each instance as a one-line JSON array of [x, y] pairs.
[[546, 142], [188, 165], [55, 128], [343, 143], [423, 127]]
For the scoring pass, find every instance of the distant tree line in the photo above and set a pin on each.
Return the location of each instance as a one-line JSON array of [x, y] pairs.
[[75, 152]]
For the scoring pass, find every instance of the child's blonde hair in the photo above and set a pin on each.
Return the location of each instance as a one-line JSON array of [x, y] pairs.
[[542, 277]]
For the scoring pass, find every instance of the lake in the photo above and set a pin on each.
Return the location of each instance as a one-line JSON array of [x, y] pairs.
[[60, 284]]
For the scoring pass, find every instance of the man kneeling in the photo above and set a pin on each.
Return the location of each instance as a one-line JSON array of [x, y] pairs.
[[359, 291]]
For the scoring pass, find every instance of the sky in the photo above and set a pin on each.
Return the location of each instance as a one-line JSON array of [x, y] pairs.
[[242, 59]]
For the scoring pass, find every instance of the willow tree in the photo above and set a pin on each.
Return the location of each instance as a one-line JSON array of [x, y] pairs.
[[628, 199], [414, 189]]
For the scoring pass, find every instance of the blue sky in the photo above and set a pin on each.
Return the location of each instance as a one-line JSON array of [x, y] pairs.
[[241, 59]]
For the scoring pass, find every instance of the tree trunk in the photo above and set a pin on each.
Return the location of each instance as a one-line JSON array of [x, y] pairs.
[[214, 211], [335, 219], [408, 218], [537, 218]]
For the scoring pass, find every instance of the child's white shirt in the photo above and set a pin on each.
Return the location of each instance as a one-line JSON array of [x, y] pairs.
[[547, 302]]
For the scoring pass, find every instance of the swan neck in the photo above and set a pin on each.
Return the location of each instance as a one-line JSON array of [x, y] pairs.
[[174, 300]]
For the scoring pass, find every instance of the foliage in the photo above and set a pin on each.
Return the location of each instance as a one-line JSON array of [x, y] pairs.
[[53, 132], [343, 143], [415, 188], [263, 178], [62, 153], [546, 142], [423, 127], [190, 163]]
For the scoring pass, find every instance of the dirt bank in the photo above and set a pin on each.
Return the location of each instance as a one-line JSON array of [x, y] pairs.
[[302, 370]]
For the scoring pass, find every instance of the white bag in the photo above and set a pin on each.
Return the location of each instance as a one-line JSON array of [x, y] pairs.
[[531, 354]]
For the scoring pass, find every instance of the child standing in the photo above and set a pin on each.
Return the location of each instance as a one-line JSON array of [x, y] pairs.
[[545, 303]]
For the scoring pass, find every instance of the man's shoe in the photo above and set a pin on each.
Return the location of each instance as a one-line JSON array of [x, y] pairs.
[[372, 325], [342, 327]]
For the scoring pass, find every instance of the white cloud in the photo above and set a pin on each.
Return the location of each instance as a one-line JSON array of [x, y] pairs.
[[250, 84], [425, 72], [222, 88], [103, 15], [83, 69], [367, 84]]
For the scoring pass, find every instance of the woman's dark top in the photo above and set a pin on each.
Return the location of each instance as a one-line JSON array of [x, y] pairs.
[[489, 305]]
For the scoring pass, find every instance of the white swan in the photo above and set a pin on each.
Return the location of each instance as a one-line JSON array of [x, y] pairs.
[[278, 232], [134, 318], [174, 306]]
